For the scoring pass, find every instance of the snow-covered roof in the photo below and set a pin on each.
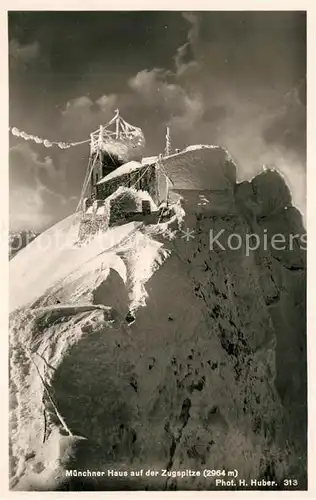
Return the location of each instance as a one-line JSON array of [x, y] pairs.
[[148, 160], [182, 166], [200, 167], [126, 168], [193, 147]]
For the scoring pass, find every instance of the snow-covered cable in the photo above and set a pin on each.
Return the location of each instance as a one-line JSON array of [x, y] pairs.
[[126, 131], [58, 415], [47, 143]]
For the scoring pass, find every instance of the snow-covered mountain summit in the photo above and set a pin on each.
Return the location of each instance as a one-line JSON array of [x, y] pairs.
[[209, 374]]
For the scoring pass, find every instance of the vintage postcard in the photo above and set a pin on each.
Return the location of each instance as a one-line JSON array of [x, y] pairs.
[[157, 250]]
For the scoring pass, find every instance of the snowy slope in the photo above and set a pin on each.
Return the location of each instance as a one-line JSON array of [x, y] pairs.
[[19, 239], [54, 256]]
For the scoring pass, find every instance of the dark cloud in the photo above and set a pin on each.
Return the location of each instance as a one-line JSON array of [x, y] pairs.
[[153, 100], [36, 189], [288, 126], [185, 57], [231, 78], [22, 54], [82, 115], [250, 70]]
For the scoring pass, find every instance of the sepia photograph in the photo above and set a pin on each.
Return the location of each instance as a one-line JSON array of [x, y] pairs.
[[157, 250]]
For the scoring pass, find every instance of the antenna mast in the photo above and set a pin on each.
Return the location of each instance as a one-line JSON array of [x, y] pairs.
[[117, 123], [168, 143]]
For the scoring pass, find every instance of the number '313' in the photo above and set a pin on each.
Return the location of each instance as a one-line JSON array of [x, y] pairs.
[[290, 482]]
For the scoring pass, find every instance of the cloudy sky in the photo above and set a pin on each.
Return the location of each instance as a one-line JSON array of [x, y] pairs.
[[231, 78]]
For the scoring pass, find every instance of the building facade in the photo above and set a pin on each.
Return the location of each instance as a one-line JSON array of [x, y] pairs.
[[144, 178]]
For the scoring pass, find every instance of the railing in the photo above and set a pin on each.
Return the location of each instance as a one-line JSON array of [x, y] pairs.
[[116, 130]]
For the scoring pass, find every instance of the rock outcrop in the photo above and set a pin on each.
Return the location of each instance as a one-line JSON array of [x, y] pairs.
[[19, 240]]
